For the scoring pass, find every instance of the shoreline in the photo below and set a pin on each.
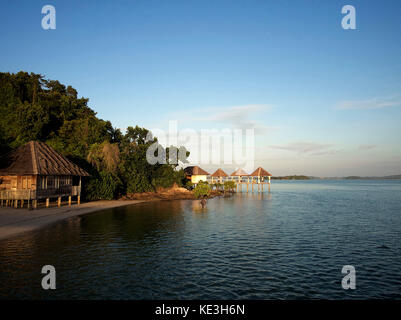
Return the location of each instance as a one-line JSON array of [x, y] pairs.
[[15, 222]]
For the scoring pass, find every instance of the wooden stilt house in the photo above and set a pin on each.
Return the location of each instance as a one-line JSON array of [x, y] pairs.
[[219, 175], [238, 174], [196, 174], [261, 175], [36, 171]]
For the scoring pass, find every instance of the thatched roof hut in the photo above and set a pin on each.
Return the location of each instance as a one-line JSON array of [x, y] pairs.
[[37, 158], [219, 173], [196, 174], [36, 171], [260, 172], [195, 171], [239, 173]]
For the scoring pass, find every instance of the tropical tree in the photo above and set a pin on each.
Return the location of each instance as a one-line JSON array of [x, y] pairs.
[[229, 185], [34, 108], [202, 190]]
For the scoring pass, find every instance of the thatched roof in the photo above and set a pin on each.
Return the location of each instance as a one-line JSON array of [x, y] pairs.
[[260, 172], [239, 172], [37, 158], [219, 173], [195, 171]]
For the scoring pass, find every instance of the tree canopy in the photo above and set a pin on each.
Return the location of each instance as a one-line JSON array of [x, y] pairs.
[[35, 108]]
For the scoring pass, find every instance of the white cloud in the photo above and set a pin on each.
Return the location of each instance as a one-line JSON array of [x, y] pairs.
[[240, 117], [366, 146], [374, 103], [306, 148]]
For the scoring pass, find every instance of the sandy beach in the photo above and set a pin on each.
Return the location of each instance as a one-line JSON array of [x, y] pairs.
[[14, 222]]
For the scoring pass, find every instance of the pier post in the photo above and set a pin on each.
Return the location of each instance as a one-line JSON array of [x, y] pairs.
[[69, 201], [79, 200], [59, 202], [262, 186], [47, 202]]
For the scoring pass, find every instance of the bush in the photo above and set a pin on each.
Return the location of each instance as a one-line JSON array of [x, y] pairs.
[[188, 184], [229, 185], [104, 186], [202, 189]]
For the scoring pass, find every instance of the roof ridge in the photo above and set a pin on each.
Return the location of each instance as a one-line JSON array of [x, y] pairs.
[[34, 158]]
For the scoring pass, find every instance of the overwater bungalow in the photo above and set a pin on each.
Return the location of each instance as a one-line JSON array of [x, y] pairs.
[[261, 175], [196, 174], [219, 175], [35, 171], [238, 174]]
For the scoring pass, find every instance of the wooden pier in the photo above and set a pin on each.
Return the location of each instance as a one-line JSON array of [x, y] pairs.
[[259, 180], [251, 186]]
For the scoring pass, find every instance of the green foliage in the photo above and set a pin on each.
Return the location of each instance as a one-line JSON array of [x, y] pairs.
[[218, 186], [104, 185], [33, 108], [166, 176], [229, 185], [202, 189], [188, 184]]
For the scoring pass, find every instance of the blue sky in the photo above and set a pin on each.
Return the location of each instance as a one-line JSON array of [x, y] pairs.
[[327, 101]]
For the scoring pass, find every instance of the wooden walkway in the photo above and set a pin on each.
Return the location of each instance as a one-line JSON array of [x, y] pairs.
[[251, 186]]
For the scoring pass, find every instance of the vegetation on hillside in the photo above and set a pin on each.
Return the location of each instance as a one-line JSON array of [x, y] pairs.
[[33, 108]]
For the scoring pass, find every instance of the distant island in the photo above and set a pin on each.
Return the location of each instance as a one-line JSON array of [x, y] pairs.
[[392, 177], [304, 177], [293, 177]]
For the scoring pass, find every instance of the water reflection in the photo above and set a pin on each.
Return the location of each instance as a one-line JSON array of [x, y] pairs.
[[251, 245]]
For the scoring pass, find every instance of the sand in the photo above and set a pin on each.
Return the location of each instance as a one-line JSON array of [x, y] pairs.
[[14, 222]]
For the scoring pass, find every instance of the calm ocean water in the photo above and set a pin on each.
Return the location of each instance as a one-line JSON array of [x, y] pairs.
[[289, 244]]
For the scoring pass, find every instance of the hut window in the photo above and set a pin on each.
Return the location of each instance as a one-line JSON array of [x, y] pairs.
[[51, 182], [63, 181], [42, 182]]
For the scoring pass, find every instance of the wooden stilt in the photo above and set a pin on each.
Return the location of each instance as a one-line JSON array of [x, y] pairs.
[[47, 202], [22, 203], [79, 200], [59, 202], [69, 201], [35, 204], [262, 187]]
